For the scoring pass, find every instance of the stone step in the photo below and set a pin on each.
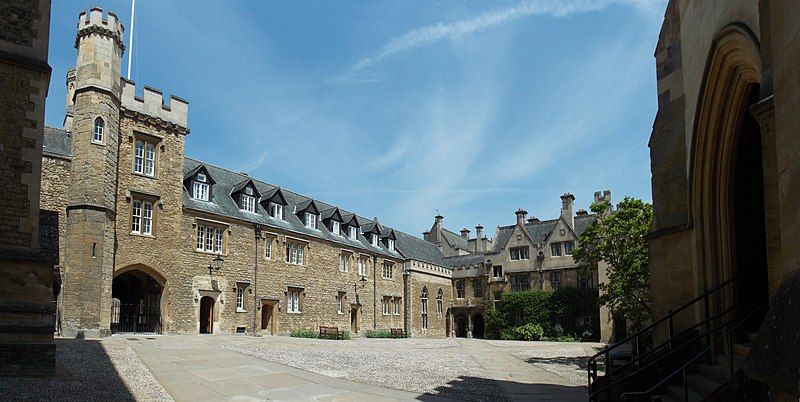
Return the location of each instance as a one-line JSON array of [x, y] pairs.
[[723, 360], [702, 385], [716, 373], [676, 393], [741, 349]]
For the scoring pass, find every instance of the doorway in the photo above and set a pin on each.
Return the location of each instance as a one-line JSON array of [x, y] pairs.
[[461, 325], [478, 327], [206, 315], [268, 319], [355, 326], [749, 242], [136, 303]]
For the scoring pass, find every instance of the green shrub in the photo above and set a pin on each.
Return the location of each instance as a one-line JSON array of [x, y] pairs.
[[529, 332], [304, 333], [346, 335], [508, 334], [381, 333]]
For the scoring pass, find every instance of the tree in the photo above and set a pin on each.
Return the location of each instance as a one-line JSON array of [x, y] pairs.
[[618, 238]]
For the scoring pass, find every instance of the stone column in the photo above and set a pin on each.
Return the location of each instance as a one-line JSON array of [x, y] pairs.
[[469, 325]]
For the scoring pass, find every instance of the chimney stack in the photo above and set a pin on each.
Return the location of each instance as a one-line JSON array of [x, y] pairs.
[[521, 214], [479, 238], [425, 235], [581, 212], [465, 233], [566, 209]]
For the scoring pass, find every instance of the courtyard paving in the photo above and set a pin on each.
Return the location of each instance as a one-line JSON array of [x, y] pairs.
[[229, 367]]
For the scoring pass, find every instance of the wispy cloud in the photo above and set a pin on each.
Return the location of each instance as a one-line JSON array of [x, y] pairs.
[[431, 34], [253, 165]]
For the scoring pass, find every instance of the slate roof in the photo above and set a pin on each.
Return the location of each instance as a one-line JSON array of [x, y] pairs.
[[540, 231], [468, 259], [455, 239], [57, 142], [221, 203]]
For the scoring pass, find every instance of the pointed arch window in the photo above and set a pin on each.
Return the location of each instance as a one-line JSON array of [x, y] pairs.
[[424, 307], [439, 301], [99, 130]]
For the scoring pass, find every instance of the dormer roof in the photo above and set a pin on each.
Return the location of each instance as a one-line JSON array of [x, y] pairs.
[[274, 195], [332, 214], [307, 205], [244, 184], [371, 227], [350, 219], [193, 173], [388, 233]]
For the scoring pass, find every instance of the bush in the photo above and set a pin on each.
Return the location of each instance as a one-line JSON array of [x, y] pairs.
[[381, 333], [346, 335], [304, 333], [529, 332]]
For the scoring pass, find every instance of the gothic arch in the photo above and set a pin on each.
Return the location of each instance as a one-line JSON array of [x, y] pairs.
[[732, 78], [158, 291]]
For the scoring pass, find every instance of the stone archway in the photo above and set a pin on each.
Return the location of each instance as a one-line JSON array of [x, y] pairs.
[[138, 299], [478, 326], [207, 315], [727, 186]]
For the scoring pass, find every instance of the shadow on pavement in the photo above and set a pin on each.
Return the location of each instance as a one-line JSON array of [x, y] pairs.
[[84, 371], [483, 389]]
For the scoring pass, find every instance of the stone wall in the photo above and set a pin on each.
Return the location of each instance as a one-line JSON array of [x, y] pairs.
[[434, 281]]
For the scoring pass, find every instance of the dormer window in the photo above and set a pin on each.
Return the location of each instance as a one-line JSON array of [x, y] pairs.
[[248, 203], [276, 211], [335, 227], [390, 244], [375, 239], [352, 232], [200, 187], [311, 220]]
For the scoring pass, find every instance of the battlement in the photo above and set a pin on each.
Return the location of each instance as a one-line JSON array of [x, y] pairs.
[[152, 104], [95, 18]]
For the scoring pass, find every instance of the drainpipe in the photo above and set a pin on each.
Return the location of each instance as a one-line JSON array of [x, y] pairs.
[[256, 306], [406, 275], [374, 292]]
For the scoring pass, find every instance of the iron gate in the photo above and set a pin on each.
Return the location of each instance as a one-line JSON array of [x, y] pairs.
[[136, 317]]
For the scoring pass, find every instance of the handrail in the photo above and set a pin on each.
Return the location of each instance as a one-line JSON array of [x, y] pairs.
[[592, 361], [625, 395], [671, 313], [666, 344]]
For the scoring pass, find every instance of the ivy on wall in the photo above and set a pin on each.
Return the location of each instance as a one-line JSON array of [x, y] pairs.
[[558, 312]]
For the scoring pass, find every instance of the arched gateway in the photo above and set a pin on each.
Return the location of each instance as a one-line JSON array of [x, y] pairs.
[[137, 294]]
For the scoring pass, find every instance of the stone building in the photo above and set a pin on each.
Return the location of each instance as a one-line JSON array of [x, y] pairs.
[[531, 254], [726, 177], [153, 241], [27, 251]]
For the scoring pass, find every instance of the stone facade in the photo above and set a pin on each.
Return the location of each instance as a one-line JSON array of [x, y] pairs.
[[132, 255], [532, 254], [26, 273], [725, 169]]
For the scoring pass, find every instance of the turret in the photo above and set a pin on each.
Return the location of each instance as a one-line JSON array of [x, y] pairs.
[[93, 115]]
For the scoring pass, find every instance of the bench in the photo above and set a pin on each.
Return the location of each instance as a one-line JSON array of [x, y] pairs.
[[397, 333], [330, 333]]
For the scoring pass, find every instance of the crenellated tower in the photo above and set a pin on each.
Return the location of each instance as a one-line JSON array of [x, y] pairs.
[[95, 119]]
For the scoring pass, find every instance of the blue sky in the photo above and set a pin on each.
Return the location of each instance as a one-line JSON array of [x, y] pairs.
[[399, 109]]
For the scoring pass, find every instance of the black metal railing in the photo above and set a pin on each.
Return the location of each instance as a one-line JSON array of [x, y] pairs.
[[729, 328], [136, 317], [642, 350]]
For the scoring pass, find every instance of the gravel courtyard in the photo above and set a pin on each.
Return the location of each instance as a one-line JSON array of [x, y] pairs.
[[451, 368]]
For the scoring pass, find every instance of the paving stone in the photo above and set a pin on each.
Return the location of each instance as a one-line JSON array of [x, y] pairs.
[[235, 386], [279, 380], [215, 374]]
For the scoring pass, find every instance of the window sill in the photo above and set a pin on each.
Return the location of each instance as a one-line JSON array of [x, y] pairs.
[[102, 144], [340, 313], [294, 312], [148, 236], [210, 252], [146, 176], [241, 310]]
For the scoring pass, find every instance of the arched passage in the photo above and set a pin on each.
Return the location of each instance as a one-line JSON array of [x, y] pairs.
[[478, 326], [726, 176], [137, 302]]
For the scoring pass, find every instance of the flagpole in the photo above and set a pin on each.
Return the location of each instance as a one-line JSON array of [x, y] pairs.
[[130, 41]]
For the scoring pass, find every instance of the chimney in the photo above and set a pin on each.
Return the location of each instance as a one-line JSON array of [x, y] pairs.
[[521, 214], [465, 233], [479, 238], [566, 208], [581, 212], [425, 235], [533, 220]]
